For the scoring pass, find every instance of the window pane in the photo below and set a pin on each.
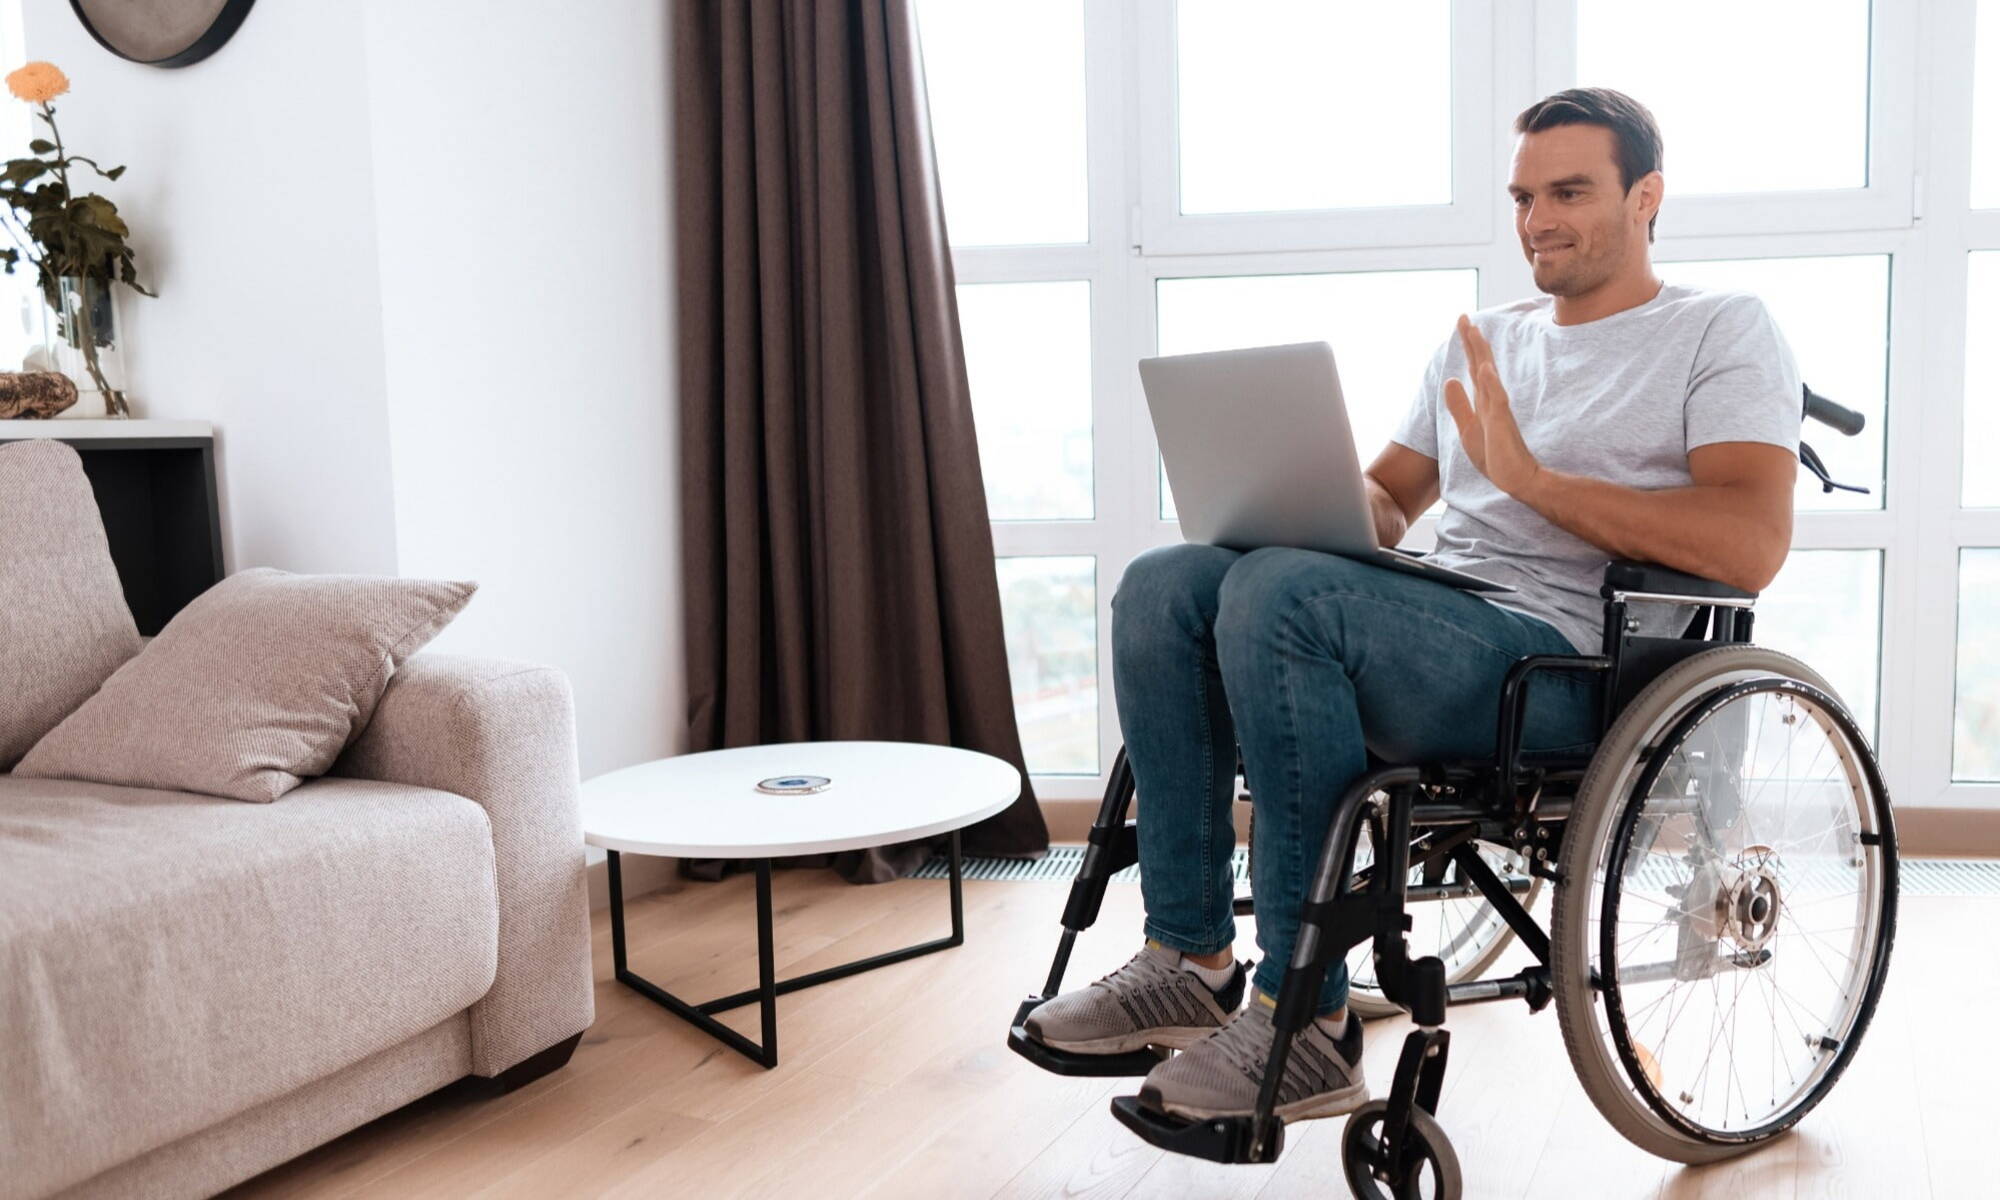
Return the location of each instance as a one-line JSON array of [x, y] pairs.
[[1986, 107], [1834, 313], [1825, 609], [1006, 102], [1981, 486], [1703, 65], [1304, 104], [1027, 351], [1975, 740], [1049, 606], [1383, 327]]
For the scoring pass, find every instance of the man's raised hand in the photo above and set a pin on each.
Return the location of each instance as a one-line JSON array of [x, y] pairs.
[[1485, 420]]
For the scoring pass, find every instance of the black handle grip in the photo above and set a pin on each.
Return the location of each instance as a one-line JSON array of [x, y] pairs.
[[1825, 411]]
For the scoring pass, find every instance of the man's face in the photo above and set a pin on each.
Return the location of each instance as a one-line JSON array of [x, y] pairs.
[[1578, 226]]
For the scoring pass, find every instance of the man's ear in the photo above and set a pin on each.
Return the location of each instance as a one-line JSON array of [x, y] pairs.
[[1651, 190]]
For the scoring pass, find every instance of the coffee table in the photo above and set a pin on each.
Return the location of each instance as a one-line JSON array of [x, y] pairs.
[[708, 805]]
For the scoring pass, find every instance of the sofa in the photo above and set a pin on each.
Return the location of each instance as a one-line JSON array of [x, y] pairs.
[[195, 989]]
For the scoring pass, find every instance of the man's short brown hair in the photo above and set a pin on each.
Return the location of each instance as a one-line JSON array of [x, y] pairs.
[[1636, 136]]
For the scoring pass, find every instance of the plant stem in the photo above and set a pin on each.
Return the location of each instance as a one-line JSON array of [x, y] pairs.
[[85, 327]]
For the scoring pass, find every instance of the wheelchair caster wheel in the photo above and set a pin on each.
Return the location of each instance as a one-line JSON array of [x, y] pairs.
[[1429, 1164]]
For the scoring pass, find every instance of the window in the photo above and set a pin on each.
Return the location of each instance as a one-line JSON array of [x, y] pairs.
[[1006, 103], [1825, 609], [1027, 352], [1269, 95], [1050, 610], [1717, 120], [1981, 487], [1986, 108], [1976, 700], [1232, 175]]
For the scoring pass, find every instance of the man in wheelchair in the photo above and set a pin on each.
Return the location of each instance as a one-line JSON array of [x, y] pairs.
[[1614, 416]]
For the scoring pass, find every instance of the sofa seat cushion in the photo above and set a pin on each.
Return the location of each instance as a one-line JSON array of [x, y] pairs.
[[169, 960]]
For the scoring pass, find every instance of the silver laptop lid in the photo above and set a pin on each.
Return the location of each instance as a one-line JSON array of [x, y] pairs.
[[1258, 448]]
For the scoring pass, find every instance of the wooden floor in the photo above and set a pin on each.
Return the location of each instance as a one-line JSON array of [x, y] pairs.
[[897, 1083]]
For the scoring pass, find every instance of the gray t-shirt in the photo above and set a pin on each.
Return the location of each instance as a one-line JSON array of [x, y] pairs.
[[1621, 399]]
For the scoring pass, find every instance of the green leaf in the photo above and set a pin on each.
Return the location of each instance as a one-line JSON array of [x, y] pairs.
[[41, 146], [115, 172]]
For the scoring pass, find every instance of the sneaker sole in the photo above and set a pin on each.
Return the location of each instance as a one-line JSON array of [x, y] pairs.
[[1173, 1038], [1325, 1104]]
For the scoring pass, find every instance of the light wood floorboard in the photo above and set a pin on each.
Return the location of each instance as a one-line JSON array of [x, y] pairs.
[[897, 1083]]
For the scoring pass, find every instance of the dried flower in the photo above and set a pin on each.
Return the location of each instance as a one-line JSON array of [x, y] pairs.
[[38, 82]]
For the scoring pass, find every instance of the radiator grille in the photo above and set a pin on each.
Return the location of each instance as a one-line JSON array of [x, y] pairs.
[[1919, 876]]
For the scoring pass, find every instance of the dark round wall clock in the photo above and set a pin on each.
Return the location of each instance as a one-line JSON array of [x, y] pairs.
[[161, 33]]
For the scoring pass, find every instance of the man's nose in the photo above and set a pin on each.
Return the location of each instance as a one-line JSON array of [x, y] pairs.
[[1536, 218]]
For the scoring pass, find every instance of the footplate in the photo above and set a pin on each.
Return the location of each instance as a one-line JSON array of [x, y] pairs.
[[1220, 1139], [1069, 1062]]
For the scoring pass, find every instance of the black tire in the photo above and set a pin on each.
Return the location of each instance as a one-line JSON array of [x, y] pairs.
[[1437, 1176], [1619, 1081]]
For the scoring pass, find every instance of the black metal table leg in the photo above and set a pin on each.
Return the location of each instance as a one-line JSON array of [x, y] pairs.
[[769, 987]]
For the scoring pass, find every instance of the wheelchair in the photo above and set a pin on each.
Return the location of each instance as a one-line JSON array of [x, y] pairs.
[[1723, 863]]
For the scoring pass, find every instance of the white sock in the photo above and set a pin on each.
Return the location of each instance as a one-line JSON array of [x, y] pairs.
[[1214, 977], [1332, 1026]]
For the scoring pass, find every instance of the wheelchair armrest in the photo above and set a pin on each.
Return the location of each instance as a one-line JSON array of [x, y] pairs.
[[1625, 575]]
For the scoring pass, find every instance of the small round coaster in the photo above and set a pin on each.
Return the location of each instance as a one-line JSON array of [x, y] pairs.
[[793, 785]]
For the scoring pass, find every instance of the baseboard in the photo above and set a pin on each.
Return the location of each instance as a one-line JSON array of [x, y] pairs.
[[1948, 832], [1920, 832]]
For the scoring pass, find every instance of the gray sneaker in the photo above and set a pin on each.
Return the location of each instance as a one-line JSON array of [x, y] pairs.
[[1150, 1001], [1218, 1076]]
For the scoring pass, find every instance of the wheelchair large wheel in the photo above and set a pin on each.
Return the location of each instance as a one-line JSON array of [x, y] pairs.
[[1728, 900], [1466, 933]]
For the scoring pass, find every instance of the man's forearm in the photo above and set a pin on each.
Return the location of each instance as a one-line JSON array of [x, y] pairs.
[[1390, 522], [1701, 530]]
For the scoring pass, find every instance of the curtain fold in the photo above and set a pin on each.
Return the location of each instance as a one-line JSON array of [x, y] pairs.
[[839, 565]]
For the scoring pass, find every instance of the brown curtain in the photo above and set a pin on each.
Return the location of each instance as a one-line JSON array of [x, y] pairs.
[[839, 565]]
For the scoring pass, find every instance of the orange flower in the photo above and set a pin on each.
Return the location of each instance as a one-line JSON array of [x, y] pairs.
[[38, 82]]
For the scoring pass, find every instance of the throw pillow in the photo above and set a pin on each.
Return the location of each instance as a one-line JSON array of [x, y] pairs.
[[64, 625], [255, 686]]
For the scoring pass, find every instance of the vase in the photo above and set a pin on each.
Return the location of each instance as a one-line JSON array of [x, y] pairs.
[[83, 344]]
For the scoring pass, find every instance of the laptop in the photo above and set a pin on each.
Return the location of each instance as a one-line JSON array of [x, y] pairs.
[[1259, 452]]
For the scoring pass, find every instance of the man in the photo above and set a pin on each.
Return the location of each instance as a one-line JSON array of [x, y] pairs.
[[1612, 416]]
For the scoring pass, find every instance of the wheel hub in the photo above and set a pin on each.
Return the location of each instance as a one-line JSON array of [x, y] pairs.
[[1747, 910]]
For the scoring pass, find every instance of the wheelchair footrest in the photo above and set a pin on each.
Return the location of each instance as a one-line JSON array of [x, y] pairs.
[[1069, 1062], [1222, 1139]]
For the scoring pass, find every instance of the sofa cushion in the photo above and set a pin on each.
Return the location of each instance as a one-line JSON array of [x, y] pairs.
[[170, 960], [64, 625], [260, 682]]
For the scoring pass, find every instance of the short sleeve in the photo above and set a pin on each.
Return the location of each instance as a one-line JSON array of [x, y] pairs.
[[1418, 430], [1745, 384]]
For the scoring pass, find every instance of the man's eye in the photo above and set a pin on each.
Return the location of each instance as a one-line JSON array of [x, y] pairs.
[[1566, 193]]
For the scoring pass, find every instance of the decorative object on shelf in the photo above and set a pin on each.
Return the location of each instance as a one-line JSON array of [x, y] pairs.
[[34, 394], [76, 243], [162, 33]]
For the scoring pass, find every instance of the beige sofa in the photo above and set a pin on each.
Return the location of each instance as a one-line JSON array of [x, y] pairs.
[[193, 990]]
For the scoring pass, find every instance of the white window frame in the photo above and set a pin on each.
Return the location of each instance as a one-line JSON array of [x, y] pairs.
[[1510, 53]]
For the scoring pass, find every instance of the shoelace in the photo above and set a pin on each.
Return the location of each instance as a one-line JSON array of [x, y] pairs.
[[1144, 970], [1248, 1050]]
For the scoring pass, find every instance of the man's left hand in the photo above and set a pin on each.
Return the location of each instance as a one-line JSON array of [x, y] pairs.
[[1486, 425]]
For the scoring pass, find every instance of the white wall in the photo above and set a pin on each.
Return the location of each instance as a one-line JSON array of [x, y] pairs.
[[415, 264], [249, 193]]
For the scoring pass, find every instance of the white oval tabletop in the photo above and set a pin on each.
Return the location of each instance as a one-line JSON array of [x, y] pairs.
[[707, 805]]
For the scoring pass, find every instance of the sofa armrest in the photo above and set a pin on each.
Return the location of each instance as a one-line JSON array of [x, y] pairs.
[[502, 735]]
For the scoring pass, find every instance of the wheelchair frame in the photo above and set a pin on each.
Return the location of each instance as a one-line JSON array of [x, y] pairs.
[[1431, 816]]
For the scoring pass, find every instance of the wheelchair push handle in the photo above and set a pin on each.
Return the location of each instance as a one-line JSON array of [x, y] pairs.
[[1826, 412]]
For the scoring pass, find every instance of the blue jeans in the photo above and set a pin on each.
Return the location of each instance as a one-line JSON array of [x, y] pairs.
[[1308, 661]]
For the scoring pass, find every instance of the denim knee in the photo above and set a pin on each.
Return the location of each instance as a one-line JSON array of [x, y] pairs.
[[1171, 587], [1265, 587]]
